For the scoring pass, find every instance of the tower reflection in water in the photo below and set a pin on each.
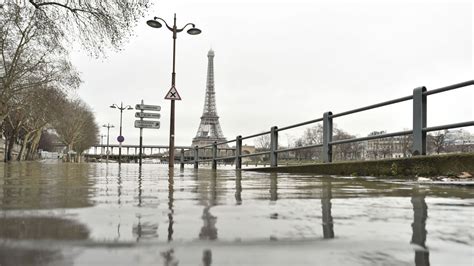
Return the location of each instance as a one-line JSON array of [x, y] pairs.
[[420, 214], [326, 196], [209, 230]]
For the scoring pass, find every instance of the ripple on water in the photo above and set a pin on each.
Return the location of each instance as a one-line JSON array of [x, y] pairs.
[[91, 213]]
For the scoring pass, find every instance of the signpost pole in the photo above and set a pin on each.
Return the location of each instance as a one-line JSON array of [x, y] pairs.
[[146, 123], [120, 134], [141, 140]]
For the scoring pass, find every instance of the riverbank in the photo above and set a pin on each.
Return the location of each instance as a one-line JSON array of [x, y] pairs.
[[449, 165]]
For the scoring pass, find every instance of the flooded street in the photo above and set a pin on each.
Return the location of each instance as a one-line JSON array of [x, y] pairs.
[[96, 214]]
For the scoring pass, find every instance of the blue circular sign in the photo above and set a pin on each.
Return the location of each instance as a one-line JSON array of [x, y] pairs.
[[120, 138]]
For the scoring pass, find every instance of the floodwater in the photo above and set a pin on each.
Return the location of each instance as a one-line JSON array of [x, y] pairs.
[[96, 214]]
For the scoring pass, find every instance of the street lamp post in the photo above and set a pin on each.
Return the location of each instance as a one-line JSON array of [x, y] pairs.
[[154, 23], [120, 138], [108, 126]]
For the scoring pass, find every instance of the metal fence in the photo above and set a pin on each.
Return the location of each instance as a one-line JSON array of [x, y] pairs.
[[418, 132]]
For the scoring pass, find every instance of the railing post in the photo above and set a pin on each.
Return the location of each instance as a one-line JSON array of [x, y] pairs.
[[196, 157], [327, 137], [419, 121], [274, 147], [238, 152], [182, 159], [214, 155]]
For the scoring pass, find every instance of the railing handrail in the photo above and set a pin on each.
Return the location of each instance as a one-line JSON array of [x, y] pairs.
[[419, 98]]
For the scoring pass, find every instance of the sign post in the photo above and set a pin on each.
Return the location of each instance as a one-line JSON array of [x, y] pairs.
[[146, 123]]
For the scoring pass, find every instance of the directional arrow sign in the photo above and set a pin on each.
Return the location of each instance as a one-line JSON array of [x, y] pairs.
[[147, 124], [147, 107], [147, 115]]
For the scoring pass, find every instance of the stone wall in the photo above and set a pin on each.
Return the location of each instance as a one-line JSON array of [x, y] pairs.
[[435, 165]]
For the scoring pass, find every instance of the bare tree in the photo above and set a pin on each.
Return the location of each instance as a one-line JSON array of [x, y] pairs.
[[406, 143], [76, 127], [262, 143], [437, 141], [31, 57], [95, 24], [311, 136], [346, 151], [458, 140], [40, 105]]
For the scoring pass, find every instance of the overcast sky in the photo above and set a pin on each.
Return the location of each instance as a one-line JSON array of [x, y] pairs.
[[283, 62]]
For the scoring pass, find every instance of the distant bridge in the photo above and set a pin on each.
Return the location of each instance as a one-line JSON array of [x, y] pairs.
[[130, 153]]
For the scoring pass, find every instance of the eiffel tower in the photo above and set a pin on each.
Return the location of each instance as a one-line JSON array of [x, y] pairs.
[[209, 129]]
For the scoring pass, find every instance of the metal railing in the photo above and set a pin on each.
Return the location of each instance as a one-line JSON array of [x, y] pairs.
[[419, 132]]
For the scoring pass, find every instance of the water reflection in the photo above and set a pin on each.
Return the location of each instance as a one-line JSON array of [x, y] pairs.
[[273, 186], [32, 228], [328, 227], [209, 206], [15, 256], [207, 257], [209, 229], [169, 258], [46, 186], [170, 204], [140, 189], [420, 214], [119, 185], [238, 187], [145, 230], [41, 228]]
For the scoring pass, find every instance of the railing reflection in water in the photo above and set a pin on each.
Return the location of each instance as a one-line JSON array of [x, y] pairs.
[[209, 185], [420, 215]]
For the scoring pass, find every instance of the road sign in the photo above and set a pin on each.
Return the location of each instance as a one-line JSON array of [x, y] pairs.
[[147, 107], [147, 124], [173, 94], [147, 115], [120, 138]]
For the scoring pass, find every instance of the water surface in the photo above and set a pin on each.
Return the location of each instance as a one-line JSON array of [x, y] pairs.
[[97, 214]]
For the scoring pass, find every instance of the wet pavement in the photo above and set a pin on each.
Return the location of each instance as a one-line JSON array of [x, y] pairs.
[[96, 214]]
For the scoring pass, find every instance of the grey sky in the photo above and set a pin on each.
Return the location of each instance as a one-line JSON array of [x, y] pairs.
[[284, 62]]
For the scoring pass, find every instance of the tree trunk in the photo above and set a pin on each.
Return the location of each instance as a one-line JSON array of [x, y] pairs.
[[5, 150], [68, 155], [21, 154], [34, 142], [9, 151]]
